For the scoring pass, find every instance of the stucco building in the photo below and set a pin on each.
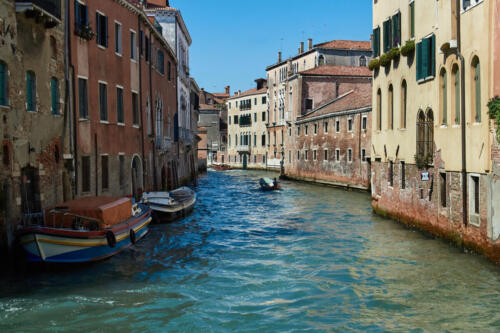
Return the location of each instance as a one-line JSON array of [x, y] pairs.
[[328, 140], [434, 156], [36, 156], [247, 128]]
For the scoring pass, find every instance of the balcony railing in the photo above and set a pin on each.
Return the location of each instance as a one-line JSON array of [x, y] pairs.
[[243, 148], [30, 7]]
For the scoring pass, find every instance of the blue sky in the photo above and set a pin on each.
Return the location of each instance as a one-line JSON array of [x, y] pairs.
[[234, 40]]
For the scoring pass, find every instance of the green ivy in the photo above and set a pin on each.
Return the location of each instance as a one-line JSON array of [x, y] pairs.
[[394, 53], [494, 113], [385, 60], [374, 64], [423, 162], [408, 48]]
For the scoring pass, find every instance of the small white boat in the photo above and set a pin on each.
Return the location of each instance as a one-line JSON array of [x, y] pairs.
[[170, 206]]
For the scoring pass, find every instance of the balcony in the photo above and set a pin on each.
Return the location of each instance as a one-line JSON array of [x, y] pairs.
[[243, 149], [47, 12]]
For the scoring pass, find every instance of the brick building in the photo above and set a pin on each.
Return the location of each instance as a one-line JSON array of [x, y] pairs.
[[33, 110], [125, 81], [329, 139]]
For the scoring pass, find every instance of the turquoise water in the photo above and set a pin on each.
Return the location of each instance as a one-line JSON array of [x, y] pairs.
[[307, 258]]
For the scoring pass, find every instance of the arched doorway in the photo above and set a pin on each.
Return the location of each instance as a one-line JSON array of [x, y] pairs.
[[137, 185], [30, 191]]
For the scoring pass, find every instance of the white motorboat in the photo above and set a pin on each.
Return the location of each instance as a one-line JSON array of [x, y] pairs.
[[170, 206]]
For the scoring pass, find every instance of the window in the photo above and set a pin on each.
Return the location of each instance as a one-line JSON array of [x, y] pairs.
[[321, 60], [119, 105], [133, 45], [289, 156], [425, 134], [235, 118], [54, 92], [362, 61], [314, 154], [85, 174], [135, 108], [103, 101], [387, 25], [255, 117], [315, 129], [379, 110], [442, 186], [148, 49], [349, 125], [263, 138], [476, 89], [475, 195], [376, 42], [81, 16], [466, 4], [306, 129], [4, 84], [118, 38], [255, 101], [349, 155], [255, 140], [403, 175], [426, 58], [325, 156], [325, 127], [83, 98], [412, 19], [298, 130], [141, 42], [390, 176], [264, 100], [337, 126], [161, 62], [396, 30], [363, 155], [5, 155], [169, 74], [30, 91], [404, 103], [102, 30], [121, 160], [444, 97], [456, 93], [229, 120], [255, 158], [337, 155], [364, 120], [308, 104], [390, 119], [104, 172], [264, 116], [298, 155], [306, 155]]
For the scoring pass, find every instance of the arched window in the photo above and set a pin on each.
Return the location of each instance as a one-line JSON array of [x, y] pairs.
[[362, 61], [444, 97], [4, 84], [390, 119], [321, 60], [476, 89], [421, 134], [54, 91], [425, 134], [429, 134], [30, 91], [404, 94], [456, 92], [379, 110]]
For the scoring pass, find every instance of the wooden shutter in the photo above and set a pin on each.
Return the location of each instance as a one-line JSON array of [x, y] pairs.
[[77, 15], [29, 91], [419, 61], [412, 19], [53, 89], [3, 84], [425, 57], [395, 29], [432, 41], [99, 28], [106, 31], [86, 15]]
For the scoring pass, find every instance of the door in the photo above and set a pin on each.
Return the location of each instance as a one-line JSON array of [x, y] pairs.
[[244, 161], [30, 191]]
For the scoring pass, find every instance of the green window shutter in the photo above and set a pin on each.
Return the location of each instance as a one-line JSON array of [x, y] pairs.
[[412, 19], [30, 91], [432, 41], [106, 31], [395, 27], [54, 87], [98, 28], [3, 85], [399, 29], [419, 61], [445, 98], [86, 15], [386, 37], [77, 15], [477, 79], [377, 45], [425, 58]]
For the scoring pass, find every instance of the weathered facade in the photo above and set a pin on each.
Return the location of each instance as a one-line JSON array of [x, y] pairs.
[[434, 152], [330, 143], [247, 131], [33, 111], [125, 101]]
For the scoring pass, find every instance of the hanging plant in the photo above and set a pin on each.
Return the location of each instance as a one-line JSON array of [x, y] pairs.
[[385, 60], [408, 48], [423, 162], [494, 114], [394, 53], [374, 64]]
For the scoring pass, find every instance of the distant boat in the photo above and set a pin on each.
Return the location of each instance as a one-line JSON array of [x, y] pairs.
[[170, 206], [85, 230], [267, 184], [220, 167]]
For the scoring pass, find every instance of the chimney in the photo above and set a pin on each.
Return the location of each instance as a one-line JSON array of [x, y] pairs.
[[309, 44], [227, 90], [279, 56], [301, 49], [239, 92]]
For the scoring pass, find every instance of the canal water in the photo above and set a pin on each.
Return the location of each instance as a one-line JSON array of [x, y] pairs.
[[307, 258]]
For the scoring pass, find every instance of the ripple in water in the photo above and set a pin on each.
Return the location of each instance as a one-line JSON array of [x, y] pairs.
[[307, 258]]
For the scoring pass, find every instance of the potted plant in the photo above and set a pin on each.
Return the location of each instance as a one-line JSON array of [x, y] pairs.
[[385, 60], [408, 48], [374, 64]]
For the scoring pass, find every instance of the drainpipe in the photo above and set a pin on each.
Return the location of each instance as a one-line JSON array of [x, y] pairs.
[[73, 100], [462, 116], [153, 127], [140, 102]]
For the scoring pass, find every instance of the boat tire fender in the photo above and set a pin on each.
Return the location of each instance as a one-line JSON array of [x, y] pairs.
[[110, 237], [132, 236]]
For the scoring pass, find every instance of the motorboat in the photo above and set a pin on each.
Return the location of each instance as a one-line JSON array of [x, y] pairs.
[[170, 206], [267, 184], [84, 230]]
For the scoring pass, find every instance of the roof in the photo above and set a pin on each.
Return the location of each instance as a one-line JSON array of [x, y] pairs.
[[338, 71], [250, 92], [208, 107], [346, 45], [356, 99], [222, 95], [155, 8]]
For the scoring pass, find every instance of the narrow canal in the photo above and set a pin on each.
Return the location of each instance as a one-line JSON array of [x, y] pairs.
[[305, 258]]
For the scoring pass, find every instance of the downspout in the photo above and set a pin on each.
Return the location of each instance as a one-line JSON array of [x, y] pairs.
[[153, 127], [73, 102], [462, 116], [143, 162]]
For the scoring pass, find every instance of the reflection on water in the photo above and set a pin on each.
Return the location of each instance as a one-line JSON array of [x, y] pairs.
[[305, 258]]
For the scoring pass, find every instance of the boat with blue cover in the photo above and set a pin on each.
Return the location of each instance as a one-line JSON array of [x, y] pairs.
[[267, 184], [85, 230]]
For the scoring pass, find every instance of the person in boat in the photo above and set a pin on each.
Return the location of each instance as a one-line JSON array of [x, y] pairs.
[[275, 183]]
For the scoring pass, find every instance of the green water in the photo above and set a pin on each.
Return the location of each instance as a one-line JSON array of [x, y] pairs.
[[307, 258]]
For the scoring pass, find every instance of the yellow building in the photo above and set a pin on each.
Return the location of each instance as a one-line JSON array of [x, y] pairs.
[[247, 133], [432, 139]]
